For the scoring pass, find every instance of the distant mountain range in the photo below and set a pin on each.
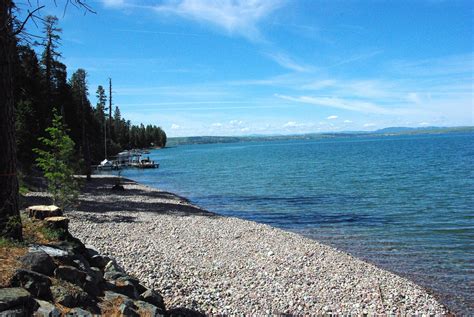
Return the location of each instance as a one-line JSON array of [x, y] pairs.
[[315, 136]]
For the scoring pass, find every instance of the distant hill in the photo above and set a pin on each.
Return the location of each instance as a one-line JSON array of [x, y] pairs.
[[316, 136]]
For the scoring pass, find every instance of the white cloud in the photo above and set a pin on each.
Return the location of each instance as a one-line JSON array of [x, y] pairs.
[[175, 126], [113, 3], [332, 117], [245, 130], [216, 125], [236, 122], [368, 125], [234, 16], [287, 62], [347, 121], [423, 123], [348, 104]]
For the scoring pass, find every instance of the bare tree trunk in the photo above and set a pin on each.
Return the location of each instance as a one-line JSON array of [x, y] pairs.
[[10, 222]]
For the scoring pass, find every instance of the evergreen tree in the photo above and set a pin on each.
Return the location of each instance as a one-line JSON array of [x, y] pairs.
[[80, 91], [56, 163], [49, 61]]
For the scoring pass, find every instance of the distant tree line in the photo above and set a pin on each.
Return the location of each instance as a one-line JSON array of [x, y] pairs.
[[41, 85]]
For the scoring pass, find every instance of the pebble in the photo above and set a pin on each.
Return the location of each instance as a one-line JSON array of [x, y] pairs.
[[218, 261]]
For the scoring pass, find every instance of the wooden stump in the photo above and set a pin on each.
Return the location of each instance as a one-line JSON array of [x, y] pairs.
[[57, 222], [43, 211]]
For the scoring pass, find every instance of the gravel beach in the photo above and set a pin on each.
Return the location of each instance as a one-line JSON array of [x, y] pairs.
[[212, 264]]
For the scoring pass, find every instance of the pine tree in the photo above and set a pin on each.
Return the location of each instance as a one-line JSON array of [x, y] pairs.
[[56, 162], [80, 92]]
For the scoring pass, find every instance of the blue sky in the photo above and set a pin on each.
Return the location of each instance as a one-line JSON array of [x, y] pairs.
[[277, 67]]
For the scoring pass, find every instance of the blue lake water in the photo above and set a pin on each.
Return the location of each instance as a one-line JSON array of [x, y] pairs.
[[404, 203]]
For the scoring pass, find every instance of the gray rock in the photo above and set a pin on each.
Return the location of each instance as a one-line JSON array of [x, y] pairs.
[[112, 266], [15, 312], [91, 251], [152, 297], [14, 297], [99, 261], [81, 263], [53, 252], [70, 274], [111, 296], [46, 309], [126, 310], [37, 284], [147, 309], [113, 275], [70, 297], [96, 274], [38, 261], [92, 287], [124, 287], [79, 312]]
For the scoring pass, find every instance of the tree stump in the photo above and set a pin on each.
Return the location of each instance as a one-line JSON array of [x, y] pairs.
[[57, 222], [42, 211]]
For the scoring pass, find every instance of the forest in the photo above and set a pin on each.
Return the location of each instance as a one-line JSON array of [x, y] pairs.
[[42, 87]]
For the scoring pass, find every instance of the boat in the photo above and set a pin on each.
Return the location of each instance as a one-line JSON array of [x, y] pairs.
[[147, 163]]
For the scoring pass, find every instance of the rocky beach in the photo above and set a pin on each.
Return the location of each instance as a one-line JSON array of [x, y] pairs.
[[205, 263]]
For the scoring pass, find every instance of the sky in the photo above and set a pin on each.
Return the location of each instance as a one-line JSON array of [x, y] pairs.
[[231, 67]]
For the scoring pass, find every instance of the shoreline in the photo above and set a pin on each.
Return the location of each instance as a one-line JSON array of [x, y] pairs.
[[217, 264]]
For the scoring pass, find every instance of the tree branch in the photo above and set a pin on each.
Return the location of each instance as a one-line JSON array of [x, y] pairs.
[[30, 15]]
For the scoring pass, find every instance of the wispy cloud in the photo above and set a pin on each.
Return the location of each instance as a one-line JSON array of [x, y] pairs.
[[332, 117], [356, 58], [347, 104], [238, 17], [113, 3], [288, 63]]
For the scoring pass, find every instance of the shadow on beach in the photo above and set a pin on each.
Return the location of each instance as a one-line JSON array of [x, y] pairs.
[[98, 197]]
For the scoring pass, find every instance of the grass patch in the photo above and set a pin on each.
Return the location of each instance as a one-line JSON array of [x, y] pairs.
[[52, 234], [24, 190]]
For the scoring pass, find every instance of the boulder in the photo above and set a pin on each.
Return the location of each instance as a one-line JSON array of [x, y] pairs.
[[51, 251], [15, 298], [80, 263], [70, 274], [124, 287], [44, 211], [96, 274], [91, 251], [38, 261], [147, 309], [128, 311], [152, 297], [46, 309], [99, 261], [58, 222], [112, 266], [79, 312], [69, 296], [37, 284]]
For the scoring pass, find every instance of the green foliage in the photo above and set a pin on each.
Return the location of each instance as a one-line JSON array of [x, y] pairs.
[[56, 161], [52, 234], [9, 243]]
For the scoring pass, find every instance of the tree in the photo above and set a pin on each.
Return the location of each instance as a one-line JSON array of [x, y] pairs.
[[10, 221], [10, 28], [56, 161], [49, 58], [80, 92]]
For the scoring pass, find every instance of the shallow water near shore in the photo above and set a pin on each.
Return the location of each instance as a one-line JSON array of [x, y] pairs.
[[404, 203]]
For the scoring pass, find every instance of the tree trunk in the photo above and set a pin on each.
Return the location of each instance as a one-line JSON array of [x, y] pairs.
[[10, 222]]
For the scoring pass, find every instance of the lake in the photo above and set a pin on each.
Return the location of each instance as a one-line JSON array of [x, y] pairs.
[[405, 203]]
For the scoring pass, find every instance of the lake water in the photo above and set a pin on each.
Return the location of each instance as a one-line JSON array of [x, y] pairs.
[[404, 203]]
